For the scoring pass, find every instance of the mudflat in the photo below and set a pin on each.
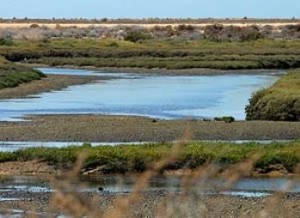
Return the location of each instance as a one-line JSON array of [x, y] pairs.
[[27, 167], [97, 128], [50, 83], [152, 204]]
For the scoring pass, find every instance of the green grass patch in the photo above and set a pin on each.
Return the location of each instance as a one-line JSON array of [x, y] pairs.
[[12, 75], [138, 158]]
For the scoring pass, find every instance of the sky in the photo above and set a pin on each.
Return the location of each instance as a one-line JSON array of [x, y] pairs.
[[150, 8]]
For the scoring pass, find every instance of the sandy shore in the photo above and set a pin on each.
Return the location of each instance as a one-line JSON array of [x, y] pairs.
[[93, 128], [50, 83]]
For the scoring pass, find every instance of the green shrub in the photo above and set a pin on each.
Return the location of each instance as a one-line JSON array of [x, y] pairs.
[[136, 36], [11, 75], [226, 119], [281, 102], [6, 42]]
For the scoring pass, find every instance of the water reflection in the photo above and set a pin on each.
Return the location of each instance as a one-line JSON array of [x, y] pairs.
[[124, 184]]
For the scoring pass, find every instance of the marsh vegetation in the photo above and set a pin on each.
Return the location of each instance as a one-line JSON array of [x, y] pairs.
[[281, 102], [169, 53], [138, 158], [12, 75], [182, 46]]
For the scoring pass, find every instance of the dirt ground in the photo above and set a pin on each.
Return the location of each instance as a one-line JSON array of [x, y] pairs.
[[27, 168]]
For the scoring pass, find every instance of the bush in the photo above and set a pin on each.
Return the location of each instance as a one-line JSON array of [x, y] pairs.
[[281, 102], [226, 119], [6, 42], [135, 36], [12, 75]]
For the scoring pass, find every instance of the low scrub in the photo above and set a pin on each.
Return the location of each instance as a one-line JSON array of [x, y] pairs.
[[136, 36], [152, 53], [224, 62], [281, 102], [12, 75]]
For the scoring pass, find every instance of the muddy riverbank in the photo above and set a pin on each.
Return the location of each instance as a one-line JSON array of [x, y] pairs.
[[108, 196], [151, 204], [50, 83], [93, 128]]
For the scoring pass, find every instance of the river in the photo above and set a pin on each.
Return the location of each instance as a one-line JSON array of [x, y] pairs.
[[165, 97]]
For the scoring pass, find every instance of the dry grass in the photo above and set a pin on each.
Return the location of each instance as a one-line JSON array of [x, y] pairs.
[[143, 25]]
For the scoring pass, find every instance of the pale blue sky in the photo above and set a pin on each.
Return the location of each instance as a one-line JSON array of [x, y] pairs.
[[149, 8]]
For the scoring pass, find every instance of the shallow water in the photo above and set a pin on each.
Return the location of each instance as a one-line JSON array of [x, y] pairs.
[[20, 188], [247, 187], [166, 97], [212, 186], [11, 146]]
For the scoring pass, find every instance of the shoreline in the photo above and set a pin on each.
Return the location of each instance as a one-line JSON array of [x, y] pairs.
[[47, 84], [167, 72]]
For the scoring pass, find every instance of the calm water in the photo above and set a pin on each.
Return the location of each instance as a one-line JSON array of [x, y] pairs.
[[21, 188], [167, 97], [121, 184], [11, 146]]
